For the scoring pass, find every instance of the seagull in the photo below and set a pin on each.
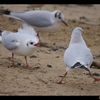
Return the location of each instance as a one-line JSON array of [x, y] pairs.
[[22, 42], [39, 18], [78, 55]]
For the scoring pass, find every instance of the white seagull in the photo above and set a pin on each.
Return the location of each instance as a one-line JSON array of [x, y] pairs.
[[39, 18], [22, 42], [78, 55]]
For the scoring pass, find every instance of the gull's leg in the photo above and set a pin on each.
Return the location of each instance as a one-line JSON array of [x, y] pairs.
[[60, 82], [88, 69], [10, 58], [26, 61], [95, 79], [13, 59], [27, 65], [67, 69], [96, 64]]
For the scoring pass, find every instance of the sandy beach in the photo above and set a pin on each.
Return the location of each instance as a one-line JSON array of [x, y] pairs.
[[47, 62]]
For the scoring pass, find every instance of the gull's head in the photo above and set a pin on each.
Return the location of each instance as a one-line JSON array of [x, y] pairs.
[[60, 16], [78, 30], [77, 35], [33, 43]]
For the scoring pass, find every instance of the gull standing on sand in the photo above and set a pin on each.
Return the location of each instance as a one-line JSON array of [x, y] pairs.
[[78, 55], [39, 18], [22, 42]]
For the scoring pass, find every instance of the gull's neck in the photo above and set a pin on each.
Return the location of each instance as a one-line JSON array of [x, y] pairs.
[[76, 37]]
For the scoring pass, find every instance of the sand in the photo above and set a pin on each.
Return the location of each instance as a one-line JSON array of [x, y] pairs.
[[47, 62]]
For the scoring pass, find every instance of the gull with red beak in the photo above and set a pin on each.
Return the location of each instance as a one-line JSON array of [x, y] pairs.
[[22, 42]]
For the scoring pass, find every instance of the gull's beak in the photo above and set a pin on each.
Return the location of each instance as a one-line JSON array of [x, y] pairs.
[[64, 22], [37, 44]]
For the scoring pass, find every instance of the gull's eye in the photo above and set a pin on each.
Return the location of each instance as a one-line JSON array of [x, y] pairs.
[[31, 43], [59, 16], [56, 15]]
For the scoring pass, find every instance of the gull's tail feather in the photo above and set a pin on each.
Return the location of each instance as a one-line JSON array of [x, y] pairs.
[[79, 65], [5, 11]]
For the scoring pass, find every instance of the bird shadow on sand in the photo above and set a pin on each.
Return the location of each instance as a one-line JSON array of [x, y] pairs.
[[52, 47], [5, 62]]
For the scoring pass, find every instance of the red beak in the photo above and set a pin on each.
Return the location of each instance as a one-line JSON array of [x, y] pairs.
[[38, 44]]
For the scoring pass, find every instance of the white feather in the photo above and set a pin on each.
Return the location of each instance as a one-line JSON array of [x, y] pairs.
[[16, 42], [77, 50]]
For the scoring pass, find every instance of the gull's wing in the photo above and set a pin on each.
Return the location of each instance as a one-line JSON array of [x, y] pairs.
[[14, 17], [27, 29], [88, 57], [35, 18], [78, 53], [9, 40]]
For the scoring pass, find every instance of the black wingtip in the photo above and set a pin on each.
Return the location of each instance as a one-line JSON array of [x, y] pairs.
[[0, 32], [5, 11], [79, 65], [76, 65]]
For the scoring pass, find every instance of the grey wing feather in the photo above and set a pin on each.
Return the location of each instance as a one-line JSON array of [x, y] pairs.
[[10, 45], [9, 41], [16, 18], [89, 57]]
